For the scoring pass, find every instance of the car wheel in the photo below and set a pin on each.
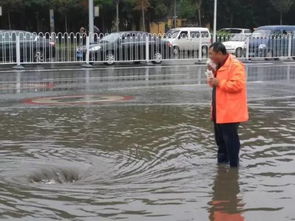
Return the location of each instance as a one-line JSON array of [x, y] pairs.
[[176, 52], [205, 51], [110, 58], [39, 57], [239, 52], [157, 58]]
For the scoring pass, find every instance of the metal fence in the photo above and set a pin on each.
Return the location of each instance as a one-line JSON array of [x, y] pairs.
[[19, 47]]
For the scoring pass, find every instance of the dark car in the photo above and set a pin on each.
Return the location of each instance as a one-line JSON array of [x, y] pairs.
[[272, 41], [127, 46], [33, 48]]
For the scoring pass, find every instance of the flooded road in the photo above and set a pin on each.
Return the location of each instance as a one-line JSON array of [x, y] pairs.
[[136, 143]]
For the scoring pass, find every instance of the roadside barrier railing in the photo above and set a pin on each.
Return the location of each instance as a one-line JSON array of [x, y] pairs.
[[20, 47]]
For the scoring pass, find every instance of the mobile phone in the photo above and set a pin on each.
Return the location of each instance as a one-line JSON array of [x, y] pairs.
[[209, 74]]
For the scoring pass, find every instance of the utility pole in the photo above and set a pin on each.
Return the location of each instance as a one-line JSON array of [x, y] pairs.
[[91, 21], [215, 20]]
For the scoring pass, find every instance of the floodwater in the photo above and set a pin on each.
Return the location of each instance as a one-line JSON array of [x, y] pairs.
[[136, 143]]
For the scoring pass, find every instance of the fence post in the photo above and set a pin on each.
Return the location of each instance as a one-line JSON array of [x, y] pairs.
[[147, 49], [247, 48], [200, 48], [87, 64], [289, 46], [17, 47]]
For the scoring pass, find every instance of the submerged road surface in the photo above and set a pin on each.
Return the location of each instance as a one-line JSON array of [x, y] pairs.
[[136, 143]]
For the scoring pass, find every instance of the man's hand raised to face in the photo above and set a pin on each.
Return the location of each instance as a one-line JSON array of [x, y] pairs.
[[213, 81]]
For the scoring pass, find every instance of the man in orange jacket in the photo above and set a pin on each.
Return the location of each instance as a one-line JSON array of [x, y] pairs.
[[229, 102]]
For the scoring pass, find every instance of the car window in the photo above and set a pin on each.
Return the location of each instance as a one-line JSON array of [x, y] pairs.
[[126, 37], [261, 33], [5, 37], [236, 31], [23, 36], [239, 37], [195, 34], [276, 32], [183, 34], [205, 34], [26, 36], [284, 32], [111, 37], [172, 33]]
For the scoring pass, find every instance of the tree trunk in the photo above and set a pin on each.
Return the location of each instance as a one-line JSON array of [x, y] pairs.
[[38, 23], [281, 18], [174, 17], [9, 20], [199, 10], [199, 17], [117, 15], [66, 23], [231, 20], [143, 16]]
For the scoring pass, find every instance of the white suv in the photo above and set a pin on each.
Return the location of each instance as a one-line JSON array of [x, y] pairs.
[[189, 39]]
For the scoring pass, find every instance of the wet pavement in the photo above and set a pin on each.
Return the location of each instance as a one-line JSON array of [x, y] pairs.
[[136, 143]]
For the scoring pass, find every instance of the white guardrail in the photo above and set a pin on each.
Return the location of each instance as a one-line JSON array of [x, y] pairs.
[[20, 47]]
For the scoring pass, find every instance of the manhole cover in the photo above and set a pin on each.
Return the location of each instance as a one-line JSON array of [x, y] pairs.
[[77, 99]]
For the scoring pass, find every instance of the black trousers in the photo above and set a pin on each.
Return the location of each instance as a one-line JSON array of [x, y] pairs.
[[228, 143]]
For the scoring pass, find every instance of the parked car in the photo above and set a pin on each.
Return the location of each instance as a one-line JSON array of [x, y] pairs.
[[33, 48], [236, 45], [126, 46], [272, 41], [189, 39]]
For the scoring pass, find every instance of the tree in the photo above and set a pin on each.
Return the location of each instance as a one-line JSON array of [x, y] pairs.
[[107, 8], [37, 7], [11, 6], [64, 7], [159, 9], [187, 9], [143, 6], [282, 6]]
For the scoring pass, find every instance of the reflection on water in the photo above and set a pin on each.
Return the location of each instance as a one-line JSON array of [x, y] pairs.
[[149, 158], [38, 81], [226, 204]]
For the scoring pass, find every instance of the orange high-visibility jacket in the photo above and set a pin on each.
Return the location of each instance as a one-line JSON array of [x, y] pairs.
[[231, 92]]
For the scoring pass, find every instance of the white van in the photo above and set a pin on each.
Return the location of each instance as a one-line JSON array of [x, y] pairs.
[[189, 39]]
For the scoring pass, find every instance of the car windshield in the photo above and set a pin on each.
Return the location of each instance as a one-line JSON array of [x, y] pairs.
[[231, 31], [261, 33], [111, 37], [27, 35], [172, 34], [238, 38]]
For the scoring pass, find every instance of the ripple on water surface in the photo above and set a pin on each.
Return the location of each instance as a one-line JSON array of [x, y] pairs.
[[153, 163]]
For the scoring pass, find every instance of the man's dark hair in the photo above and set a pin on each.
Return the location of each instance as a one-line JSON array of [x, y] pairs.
[[218, 47]]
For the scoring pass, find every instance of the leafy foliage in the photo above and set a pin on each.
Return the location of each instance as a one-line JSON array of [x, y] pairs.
[[72, 14]]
